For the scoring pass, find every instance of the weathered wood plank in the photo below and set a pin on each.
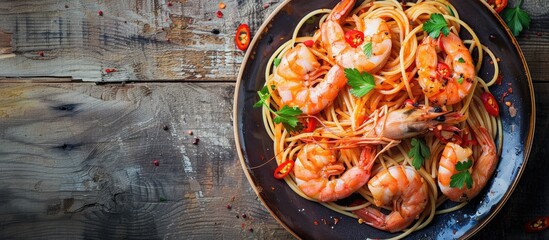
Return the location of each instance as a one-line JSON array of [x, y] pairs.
[[76, 161], [142, 40]]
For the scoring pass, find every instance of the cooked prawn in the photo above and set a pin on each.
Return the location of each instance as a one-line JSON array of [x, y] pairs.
[[481, 171], [447, 82], [399, 187], [376, 32], [412, 121], [321, 176], [294, 82]]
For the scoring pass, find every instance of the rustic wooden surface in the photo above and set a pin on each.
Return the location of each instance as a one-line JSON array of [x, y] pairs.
[[77, 158]]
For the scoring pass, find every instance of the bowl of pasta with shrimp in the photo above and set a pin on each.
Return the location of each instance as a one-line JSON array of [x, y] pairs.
[[383, 119]]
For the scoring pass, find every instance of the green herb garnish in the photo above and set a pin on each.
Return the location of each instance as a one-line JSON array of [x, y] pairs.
[[419, 152], [461, 60], [360, 82], [435, 25], [276, 61], [367, 49], [463, 176], [516, 18], [287, 115]]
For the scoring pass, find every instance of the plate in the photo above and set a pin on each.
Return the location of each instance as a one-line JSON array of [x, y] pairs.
[[309, 220]]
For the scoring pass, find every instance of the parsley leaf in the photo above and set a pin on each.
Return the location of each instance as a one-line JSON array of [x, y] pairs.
[[463, 176], [435, 25], [276, 61], [287, 115], [516, 18], [461, 60], [419, 152], [367, 49], [460, 80], [263, 96], [361, 82]]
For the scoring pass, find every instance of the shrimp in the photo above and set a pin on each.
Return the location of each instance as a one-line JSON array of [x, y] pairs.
[[376, 32], [447, 82], [412, 121], [481, 171], [399, 187], [316, 166], [292, 78]]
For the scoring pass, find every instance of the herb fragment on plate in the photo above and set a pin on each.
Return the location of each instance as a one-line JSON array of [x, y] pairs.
[[516, 18], [276, 61], [360, 82], [461, 60], [463, 176], [419, 152], [435, 25], [368, 49], [287, 115]]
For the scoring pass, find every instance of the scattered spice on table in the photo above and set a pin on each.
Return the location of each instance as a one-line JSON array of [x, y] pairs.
[[156, 163], [219, 14], [215, 31], [110, 70], [190, 132], [196, 140], [170, 4], [165, 128], [100, 13], [41, 53], [229, 206], [244, 215], [221, 5]]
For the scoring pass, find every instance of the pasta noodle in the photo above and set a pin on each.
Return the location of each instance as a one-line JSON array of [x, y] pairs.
[[346, 123]]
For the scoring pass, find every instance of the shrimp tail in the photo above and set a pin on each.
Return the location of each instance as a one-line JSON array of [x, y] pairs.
[[341, 10], [393, 222]]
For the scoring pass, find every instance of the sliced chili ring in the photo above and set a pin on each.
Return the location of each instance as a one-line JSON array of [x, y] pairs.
[[284, 169], [311, 125], [354, 38], [242, 37], [490, 103], [537, 224], [443, 70]]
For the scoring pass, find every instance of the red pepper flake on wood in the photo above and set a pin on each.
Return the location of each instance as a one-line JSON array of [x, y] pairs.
[[110, 70], [156, 163], [41, 53], [190, 132], [170, 4], [221, 5], [196, 140], [219, 14], [229, 206], [100, 13]]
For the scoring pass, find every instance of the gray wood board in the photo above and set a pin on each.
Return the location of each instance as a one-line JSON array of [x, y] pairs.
[[76, 161]]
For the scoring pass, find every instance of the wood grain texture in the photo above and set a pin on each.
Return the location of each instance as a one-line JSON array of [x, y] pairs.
[[142, 40], [76, 161]]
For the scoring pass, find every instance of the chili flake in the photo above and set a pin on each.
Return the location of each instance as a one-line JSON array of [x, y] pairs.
[[195, 141], [100, 13], [219, 14], [221, 5], [41, 53], [170, 4], [156, 162]]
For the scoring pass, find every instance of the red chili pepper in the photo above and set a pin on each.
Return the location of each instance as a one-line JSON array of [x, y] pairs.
[[242, 37], [354, 38], [284, 169], [498, 5], [100, 13], [309, 43], [311, 125], [443, 70], [219, 14], [538, 224], [490, 103]]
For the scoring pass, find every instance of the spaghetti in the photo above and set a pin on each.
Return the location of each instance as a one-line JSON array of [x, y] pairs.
[[342, 124]]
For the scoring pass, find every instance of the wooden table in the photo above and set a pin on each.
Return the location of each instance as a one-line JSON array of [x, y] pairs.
[[116, 122]]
